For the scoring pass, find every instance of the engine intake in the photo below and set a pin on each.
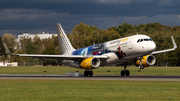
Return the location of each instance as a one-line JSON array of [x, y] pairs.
[[90, 63], [146, 61]]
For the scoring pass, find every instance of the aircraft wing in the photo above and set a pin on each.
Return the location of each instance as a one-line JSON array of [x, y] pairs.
[[55, 57], [167, 50]]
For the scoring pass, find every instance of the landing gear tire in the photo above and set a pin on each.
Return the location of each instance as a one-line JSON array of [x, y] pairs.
[[125, 72], [141, 67], [88, 73], [122, 73]]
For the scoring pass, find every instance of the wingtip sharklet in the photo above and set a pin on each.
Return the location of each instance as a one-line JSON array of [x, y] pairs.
[[167, 50], [7, 50], [174, 43]]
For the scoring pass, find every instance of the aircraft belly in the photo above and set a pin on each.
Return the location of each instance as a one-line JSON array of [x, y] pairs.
[[113, 59]]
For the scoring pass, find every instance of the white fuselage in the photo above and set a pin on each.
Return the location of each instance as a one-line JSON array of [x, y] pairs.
[[120, 50], [133, 46]]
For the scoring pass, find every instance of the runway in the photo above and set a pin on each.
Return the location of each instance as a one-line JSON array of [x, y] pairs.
[[77, 76]]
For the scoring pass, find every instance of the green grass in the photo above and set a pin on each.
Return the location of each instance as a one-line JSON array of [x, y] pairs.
[[88, 90], [83, 90], [99, 71]]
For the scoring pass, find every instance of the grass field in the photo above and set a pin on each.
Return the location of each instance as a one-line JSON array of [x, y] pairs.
[[83, 90], [100, 70], [88, 90]]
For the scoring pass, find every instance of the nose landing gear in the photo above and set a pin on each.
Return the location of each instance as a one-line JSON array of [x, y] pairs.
[[140, 62]]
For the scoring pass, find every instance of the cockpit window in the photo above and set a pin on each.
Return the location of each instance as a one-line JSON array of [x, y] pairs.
[[146, 39], [140, 40]]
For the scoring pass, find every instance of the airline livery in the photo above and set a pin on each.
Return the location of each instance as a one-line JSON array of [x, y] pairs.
[[115, 52]]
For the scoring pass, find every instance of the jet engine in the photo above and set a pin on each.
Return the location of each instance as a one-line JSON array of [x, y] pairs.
[[146, 61], [90, 63]]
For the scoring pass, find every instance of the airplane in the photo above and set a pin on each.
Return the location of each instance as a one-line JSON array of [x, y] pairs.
[[114, 52]]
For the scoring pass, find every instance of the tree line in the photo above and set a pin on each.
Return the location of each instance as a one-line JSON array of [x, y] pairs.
[[83, 35]]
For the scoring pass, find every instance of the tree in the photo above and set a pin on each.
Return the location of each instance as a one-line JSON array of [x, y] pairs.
[[123, 29], [49, 50], [2, 49], [81, 29], [22, 43], [9, 40], [38, 46], [172, 58], [17, 58], [29, 47], [110, 35]]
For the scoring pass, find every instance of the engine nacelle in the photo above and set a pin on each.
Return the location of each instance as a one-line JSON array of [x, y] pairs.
[[146, 61], [90, 63]]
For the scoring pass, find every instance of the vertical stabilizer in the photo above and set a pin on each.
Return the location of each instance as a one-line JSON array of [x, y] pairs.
[[65, 45]]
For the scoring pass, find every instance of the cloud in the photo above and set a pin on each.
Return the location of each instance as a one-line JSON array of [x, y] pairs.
[[83, 1], [71, 20], [105, 22], [165, 2], [42, 15], [134, 18], [124, 1], [28, 14], [115, 1], [178, 16]]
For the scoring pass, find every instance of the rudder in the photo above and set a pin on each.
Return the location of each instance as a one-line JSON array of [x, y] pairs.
[[65, 45]]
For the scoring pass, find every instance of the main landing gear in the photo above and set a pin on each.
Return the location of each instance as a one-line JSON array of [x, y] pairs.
[[125, 72], [88, 73]]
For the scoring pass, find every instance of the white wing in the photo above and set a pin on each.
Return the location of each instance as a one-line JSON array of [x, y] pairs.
[[55, 57], [167, 50]]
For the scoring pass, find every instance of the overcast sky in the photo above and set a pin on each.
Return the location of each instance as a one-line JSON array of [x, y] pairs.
[[17, 16]]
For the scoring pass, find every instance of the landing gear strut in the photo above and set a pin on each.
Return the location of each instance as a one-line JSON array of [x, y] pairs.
[[125, 72], [141, 66], [88, 73]]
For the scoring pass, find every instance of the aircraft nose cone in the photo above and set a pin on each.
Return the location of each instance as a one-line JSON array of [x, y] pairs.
[[152, 46]]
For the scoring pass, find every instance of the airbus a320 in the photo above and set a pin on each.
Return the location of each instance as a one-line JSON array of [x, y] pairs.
[[115, 52]]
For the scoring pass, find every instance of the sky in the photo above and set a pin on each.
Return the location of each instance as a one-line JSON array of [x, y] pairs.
[[35, 16]]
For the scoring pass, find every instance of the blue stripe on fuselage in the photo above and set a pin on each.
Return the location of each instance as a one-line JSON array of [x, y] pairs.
[[91, 50]]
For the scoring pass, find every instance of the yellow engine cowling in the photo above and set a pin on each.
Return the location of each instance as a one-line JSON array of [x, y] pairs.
[[90, 63], [146, 61]]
